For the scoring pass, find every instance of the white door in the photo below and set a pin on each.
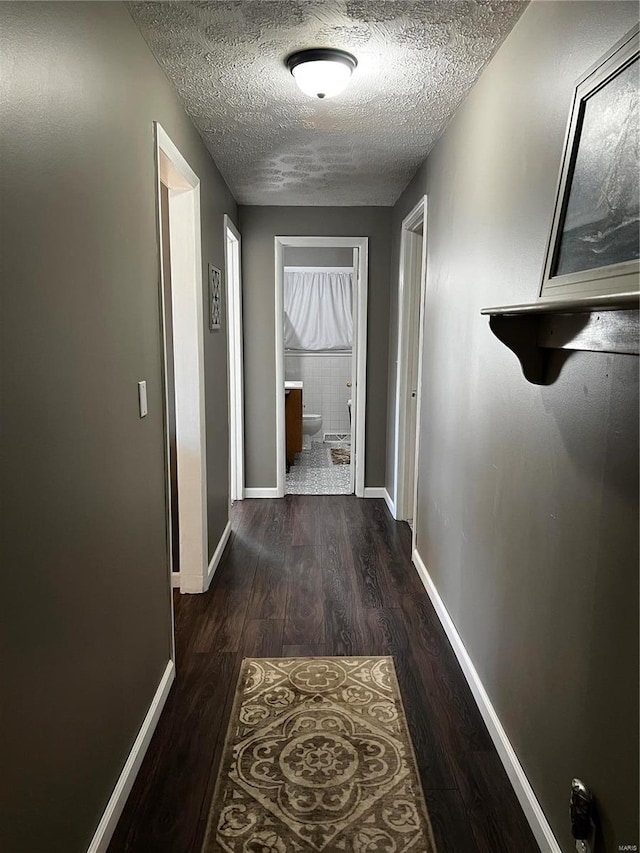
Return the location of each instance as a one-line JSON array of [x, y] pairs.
[[414, 267], [234, 343], [411, 306]]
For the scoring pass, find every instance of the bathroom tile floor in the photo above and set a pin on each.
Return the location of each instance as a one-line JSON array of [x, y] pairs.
[[313, 473]]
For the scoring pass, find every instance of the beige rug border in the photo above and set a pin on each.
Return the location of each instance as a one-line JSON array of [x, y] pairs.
[[210, 830]]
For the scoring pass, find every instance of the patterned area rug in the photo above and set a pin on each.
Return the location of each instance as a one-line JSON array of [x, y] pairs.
[[318, 758], [340, 455]]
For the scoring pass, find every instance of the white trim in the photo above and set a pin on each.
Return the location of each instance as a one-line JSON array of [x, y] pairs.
[[233, 281], [217, 554], [359, 364], [160, 166], [381, 492], [406, 508], [262, 493], [188, 332], [163, 142], [175, 580], [374, 492], [390, 504], [358, 412], [421, 323], [279, 389], [521, 785], [111, 815]]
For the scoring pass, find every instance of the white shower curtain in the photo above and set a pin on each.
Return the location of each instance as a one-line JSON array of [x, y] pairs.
[[317, 310]]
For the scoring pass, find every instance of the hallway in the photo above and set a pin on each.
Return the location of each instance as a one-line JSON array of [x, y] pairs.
[[309, 575], [526, 464]]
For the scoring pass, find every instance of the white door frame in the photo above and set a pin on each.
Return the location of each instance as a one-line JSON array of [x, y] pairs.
[[357, 343], [233, 279], [406, 469], [359, 353], [188, 335]]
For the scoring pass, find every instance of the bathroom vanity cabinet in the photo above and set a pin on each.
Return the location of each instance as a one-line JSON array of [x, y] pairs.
[[293, 423]]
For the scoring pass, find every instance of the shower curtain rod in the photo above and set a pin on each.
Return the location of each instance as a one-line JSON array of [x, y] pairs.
[[319, 269]]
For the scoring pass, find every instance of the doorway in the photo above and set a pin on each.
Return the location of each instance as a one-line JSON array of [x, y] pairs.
[[178, 194], [348, 438], [412, 277], [236, 376]]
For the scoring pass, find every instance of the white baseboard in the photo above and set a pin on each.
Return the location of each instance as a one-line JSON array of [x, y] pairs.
[[390, 504], [175, 580], [114, 808], [381, 492], [530, 805], [217, 554], [261, 493], [374, 492]]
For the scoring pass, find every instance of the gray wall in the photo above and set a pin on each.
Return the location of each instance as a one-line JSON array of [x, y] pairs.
[[259, 226], [317, 257], [86, 621], [528, 496]]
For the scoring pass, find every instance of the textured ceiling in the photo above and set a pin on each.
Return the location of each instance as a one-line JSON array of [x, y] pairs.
[[274, 145]]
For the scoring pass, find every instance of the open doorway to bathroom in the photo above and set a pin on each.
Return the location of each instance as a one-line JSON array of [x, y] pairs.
[[321, 359], [318, 344]]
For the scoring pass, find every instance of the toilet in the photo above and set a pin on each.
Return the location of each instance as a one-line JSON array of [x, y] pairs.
[[311, 424]]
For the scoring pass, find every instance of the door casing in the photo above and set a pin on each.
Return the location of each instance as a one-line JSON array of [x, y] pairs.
[[360, 245], [188, 334], [411, 296], [233, 279]]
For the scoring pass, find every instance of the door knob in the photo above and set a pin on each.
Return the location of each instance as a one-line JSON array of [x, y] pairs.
[[349, 384]]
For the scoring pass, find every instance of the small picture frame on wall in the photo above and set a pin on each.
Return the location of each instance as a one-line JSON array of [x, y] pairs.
[[215, 298], [593, 247]]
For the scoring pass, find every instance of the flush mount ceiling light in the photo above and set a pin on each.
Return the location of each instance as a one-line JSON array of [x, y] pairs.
[[321, 72]]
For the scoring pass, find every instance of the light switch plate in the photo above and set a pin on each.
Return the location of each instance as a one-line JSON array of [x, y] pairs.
[[142, 398]]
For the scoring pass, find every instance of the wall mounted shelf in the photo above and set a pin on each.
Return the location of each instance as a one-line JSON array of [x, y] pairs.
[[597, 324]]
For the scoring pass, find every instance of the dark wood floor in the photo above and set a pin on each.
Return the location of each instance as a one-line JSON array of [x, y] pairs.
[[319, 575]]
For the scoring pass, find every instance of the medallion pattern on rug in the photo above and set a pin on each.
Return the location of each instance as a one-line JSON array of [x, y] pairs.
[[318, 758]]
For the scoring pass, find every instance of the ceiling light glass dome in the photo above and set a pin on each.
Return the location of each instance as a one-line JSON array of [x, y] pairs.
[[321, 72]]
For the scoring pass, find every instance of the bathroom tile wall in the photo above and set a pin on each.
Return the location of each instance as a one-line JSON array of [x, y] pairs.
[[325, 391]]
